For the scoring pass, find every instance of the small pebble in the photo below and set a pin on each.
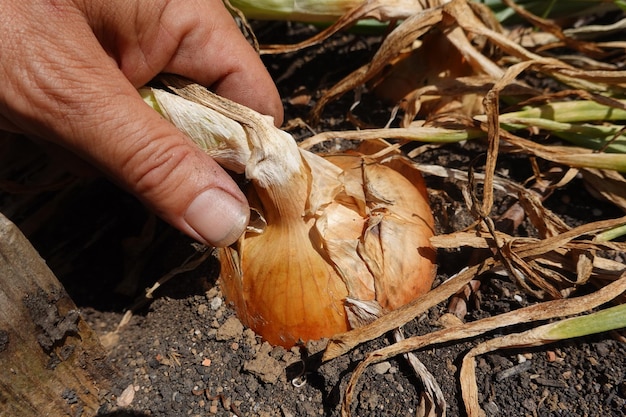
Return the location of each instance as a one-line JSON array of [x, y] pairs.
[[202, 309], [216, 303], [491, 408], [232, 329], [381, 367], [127, 396]]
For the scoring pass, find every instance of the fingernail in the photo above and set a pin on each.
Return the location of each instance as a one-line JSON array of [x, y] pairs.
[[218, 217]]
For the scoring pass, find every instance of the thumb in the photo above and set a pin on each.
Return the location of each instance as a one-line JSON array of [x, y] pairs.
[[157, 163]]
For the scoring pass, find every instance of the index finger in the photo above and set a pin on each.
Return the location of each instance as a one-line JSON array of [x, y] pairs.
[[213, 52]]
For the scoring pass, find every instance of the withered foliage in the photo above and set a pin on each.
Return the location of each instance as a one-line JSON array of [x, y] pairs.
[[449, 67]]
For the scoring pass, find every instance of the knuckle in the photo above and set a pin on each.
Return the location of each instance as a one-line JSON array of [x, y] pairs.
[[159, 170]]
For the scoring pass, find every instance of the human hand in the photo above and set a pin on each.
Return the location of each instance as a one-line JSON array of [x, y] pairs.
[[69, 71]]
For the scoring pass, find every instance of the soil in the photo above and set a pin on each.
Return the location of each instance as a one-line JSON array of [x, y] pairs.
[[186, 354]]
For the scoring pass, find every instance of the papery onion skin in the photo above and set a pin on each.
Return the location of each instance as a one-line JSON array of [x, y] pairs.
[[396, 242], [285, 283], [338, 239]]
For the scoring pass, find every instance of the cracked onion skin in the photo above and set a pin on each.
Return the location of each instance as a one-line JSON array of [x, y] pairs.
[[371, 242]]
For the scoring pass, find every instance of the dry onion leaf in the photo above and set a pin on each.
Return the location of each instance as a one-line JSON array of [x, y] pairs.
[[538, 312], [601, 321]]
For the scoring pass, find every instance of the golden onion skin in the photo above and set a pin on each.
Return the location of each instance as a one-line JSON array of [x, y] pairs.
[[345, 238], [279, 284], [289, 297], [289, 284]]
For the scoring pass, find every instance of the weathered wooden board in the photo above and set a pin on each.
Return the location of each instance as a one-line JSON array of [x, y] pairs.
[[51, 362]]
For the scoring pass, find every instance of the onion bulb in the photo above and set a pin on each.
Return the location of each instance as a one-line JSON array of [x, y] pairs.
[[330, 235]]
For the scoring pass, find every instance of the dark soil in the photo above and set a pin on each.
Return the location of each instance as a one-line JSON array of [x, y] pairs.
[[186, 354]]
